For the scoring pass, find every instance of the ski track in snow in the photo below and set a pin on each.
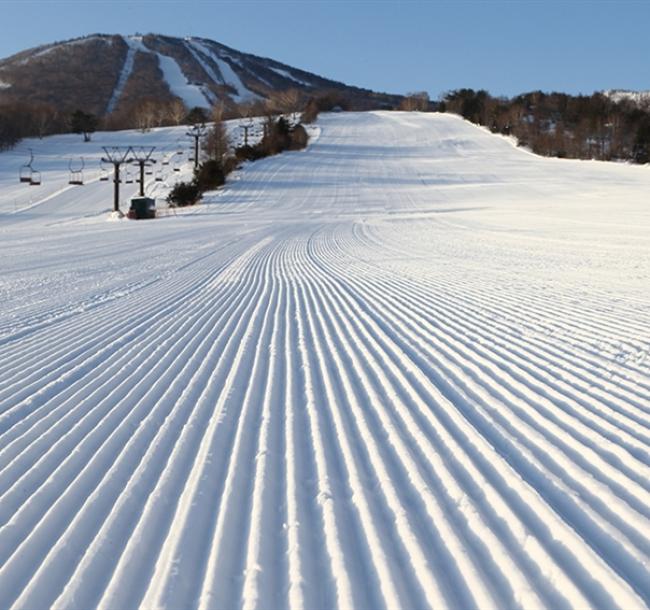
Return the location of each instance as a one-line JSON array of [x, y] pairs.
[[127, 68], [406, 368], [192, 95], [290, 76], [229, 76]]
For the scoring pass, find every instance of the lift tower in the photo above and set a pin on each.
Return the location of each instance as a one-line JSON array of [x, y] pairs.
[[142, 156], [116, 156], [197, 132]]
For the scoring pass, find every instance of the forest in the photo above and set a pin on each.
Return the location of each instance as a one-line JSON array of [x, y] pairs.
[[560, 125]]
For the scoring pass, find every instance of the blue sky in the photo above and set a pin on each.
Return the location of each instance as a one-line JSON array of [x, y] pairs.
[[506, 47]]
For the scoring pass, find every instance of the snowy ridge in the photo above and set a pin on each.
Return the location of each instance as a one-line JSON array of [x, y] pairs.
[[407, 368]]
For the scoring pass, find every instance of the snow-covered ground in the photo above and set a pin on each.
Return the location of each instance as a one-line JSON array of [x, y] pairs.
[[407, 368]]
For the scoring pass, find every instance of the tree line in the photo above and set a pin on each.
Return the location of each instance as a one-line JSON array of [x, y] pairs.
[[552, 124], [19, 119], [561, 125]]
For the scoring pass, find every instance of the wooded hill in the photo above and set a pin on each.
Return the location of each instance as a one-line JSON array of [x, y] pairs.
[[598, 126], [121, 78]]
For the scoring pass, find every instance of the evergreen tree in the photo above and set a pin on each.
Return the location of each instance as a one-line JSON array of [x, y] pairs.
[[641, 148], [196, 116], [83, 122]]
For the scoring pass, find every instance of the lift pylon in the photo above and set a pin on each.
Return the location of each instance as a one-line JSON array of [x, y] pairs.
[[116, 156]]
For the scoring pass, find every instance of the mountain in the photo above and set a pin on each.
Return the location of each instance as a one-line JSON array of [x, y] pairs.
[[106, 74]]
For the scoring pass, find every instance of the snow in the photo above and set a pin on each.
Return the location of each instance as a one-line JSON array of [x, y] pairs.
[[4, 85], [406, 368], [192, 95], [48, 49], [291, 76], [133, 48], [208, 70], [230, 77], [638, 97]]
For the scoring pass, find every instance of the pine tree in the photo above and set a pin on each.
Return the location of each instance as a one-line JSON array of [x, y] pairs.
[[83, 122]]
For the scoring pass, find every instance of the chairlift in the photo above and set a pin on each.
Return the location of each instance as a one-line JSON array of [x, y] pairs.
[[25, 174], [149, 170], [26, 171], [103, 172], [129, 175], [76, 175], [35, 178], [159, 175], [165, 161], [177, 161]]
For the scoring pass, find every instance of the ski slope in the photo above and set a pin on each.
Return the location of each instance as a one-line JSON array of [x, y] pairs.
[[406, 368]]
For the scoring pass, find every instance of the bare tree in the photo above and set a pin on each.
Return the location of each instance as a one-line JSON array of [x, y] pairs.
[[145, 114], [417, 101], [217, 144], [246, 110], [289, 102], [177, 112], [44, 118]]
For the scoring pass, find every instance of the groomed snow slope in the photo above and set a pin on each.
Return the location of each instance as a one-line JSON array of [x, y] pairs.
[[407, 368]]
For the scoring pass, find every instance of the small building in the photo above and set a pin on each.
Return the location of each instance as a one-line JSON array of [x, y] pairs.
[[142, 208]]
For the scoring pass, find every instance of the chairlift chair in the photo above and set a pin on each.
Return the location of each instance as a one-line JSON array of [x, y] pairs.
[[76, 175], [129, 175], [177, 161], [26, 171], [25, 174], [103, 172], [159, 175], [35, 179]]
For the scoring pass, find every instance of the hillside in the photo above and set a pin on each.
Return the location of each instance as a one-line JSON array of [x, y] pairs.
[[406, 368], [104, 74]]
